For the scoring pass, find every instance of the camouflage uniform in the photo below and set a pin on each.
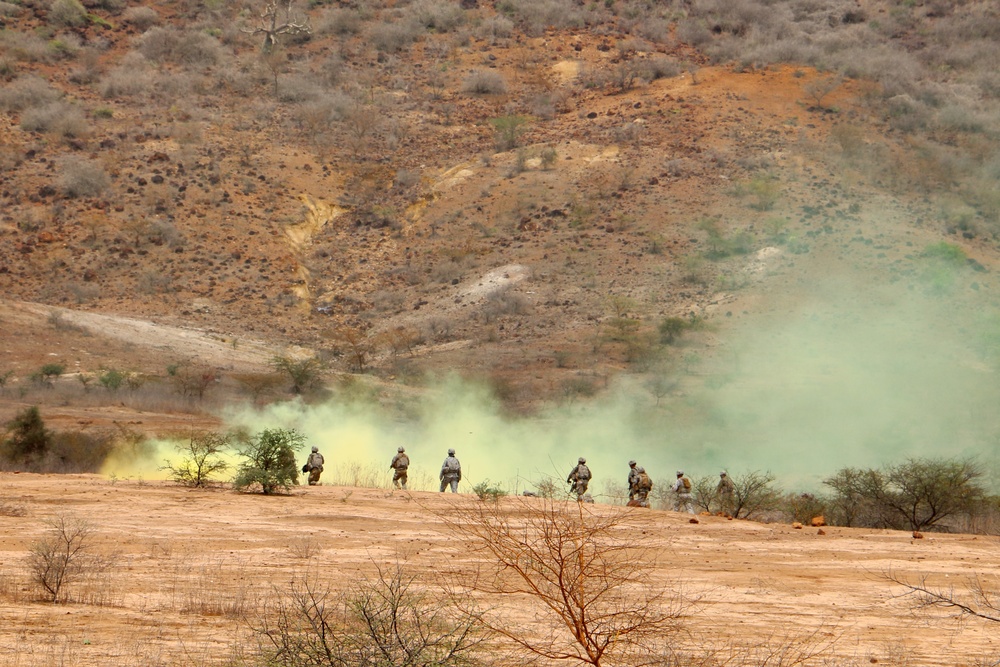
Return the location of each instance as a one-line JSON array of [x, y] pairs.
[[400, 462], [682, 494], [725, 491], [451, 472], [314, 466], [579, 477], [642, 487], [633, 479]]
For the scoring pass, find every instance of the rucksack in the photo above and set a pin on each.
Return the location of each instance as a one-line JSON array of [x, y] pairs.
[[687, 483], [645, 483], [582, 473], [451, 464]]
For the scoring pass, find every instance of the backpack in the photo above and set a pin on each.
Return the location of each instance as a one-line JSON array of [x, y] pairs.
[[582, 473], [687, 483], [451, 464], [644, 483]]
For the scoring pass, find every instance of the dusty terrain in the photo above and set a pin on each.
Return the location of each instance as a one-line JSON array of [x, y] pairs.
[[188, 563]]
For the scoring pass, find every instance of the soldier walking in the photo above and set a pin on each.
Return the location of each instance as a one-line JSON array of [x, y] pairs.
[[400, 463], [682, 493], [451, 472], [633, 479], [314, 466], [726, 493], [642, 487], [579, 477]]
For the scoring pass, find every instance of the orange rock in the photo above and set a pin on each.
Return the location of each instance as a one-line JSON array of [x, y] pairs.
[[821, 532], [818, 521], [797, 526], [918, 536], [693, 520]]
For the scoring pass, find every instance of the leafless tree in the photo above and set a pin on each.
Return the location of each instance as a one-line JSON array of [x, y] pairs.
[[277, 18], [585, 574], [60, 558]]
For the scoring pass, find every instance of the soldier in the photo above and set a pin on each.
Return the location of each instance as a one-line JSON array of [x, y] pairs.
[[400, 462], [451, 472], [579, 477], [642, 487], [725, 491], [682, 493], [633, 478], [314, 466]]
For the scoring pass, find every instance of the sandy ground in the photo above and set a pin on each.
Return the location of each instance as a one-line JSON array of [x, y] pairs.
[[188, 563]]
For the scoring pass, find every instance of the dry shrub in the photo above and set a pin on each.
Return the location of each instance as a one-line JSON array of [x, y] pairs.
[[484, 82], [58, 118], [180, 47], [27, 91], [142, 17], [67, 13], [83, 178], [132, 77], [394, 37]]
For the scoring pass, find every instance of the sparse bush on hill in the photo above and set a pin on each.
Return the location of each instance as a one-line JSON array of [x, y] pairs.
[[394, 37], [67, 13], [753, 494], [485, 82], [83, 178], [141, 17], [27, 91], [269, 461], [58, 118], [180, 47], [507, 131]]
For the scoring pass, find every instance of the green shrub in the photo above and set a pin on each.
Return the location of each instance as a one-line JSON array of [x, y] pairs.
[[67, 13], [484, 491], [27, 440], [508, 130], [269, 461], [201, 459]]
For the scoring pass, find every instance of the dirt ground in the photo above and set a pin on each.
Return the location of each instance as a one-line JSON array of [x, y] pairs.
[[188, 563]]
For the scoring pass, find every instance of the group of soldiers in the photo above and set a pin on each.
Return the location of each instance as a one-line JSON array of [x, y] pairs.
[[639, 483]]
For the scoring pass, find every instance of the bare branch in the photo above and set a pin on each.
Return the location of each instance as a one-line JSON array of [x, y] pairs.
[[983, 603], [277, 20]]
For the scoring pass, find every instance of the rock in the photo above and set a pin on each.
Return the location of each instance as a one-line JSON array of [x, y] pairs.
[[821, 532], [818, 521], [693, 520], [797, 526], [918, 536]]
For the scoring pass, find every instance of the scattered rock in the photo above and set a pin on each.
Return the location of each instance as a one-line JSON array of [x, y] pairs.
[[797, 526], [821, 532], [818, 521], [693, 520], [918, 536]]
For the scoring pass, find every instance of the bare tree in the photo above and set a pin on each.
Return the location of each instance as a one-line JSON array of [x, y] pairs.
[[753, 493], [277, 18], [583, 570], [60, 558]]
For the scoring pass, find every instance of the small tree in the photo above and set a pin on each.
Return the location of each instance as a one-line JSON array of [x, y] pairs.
[[507, 131], [59, 558], [753, 493], [201, 459], [28, 440], [583, 571], [918, 492], [926, 491], [305, 374], [270, 461]]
